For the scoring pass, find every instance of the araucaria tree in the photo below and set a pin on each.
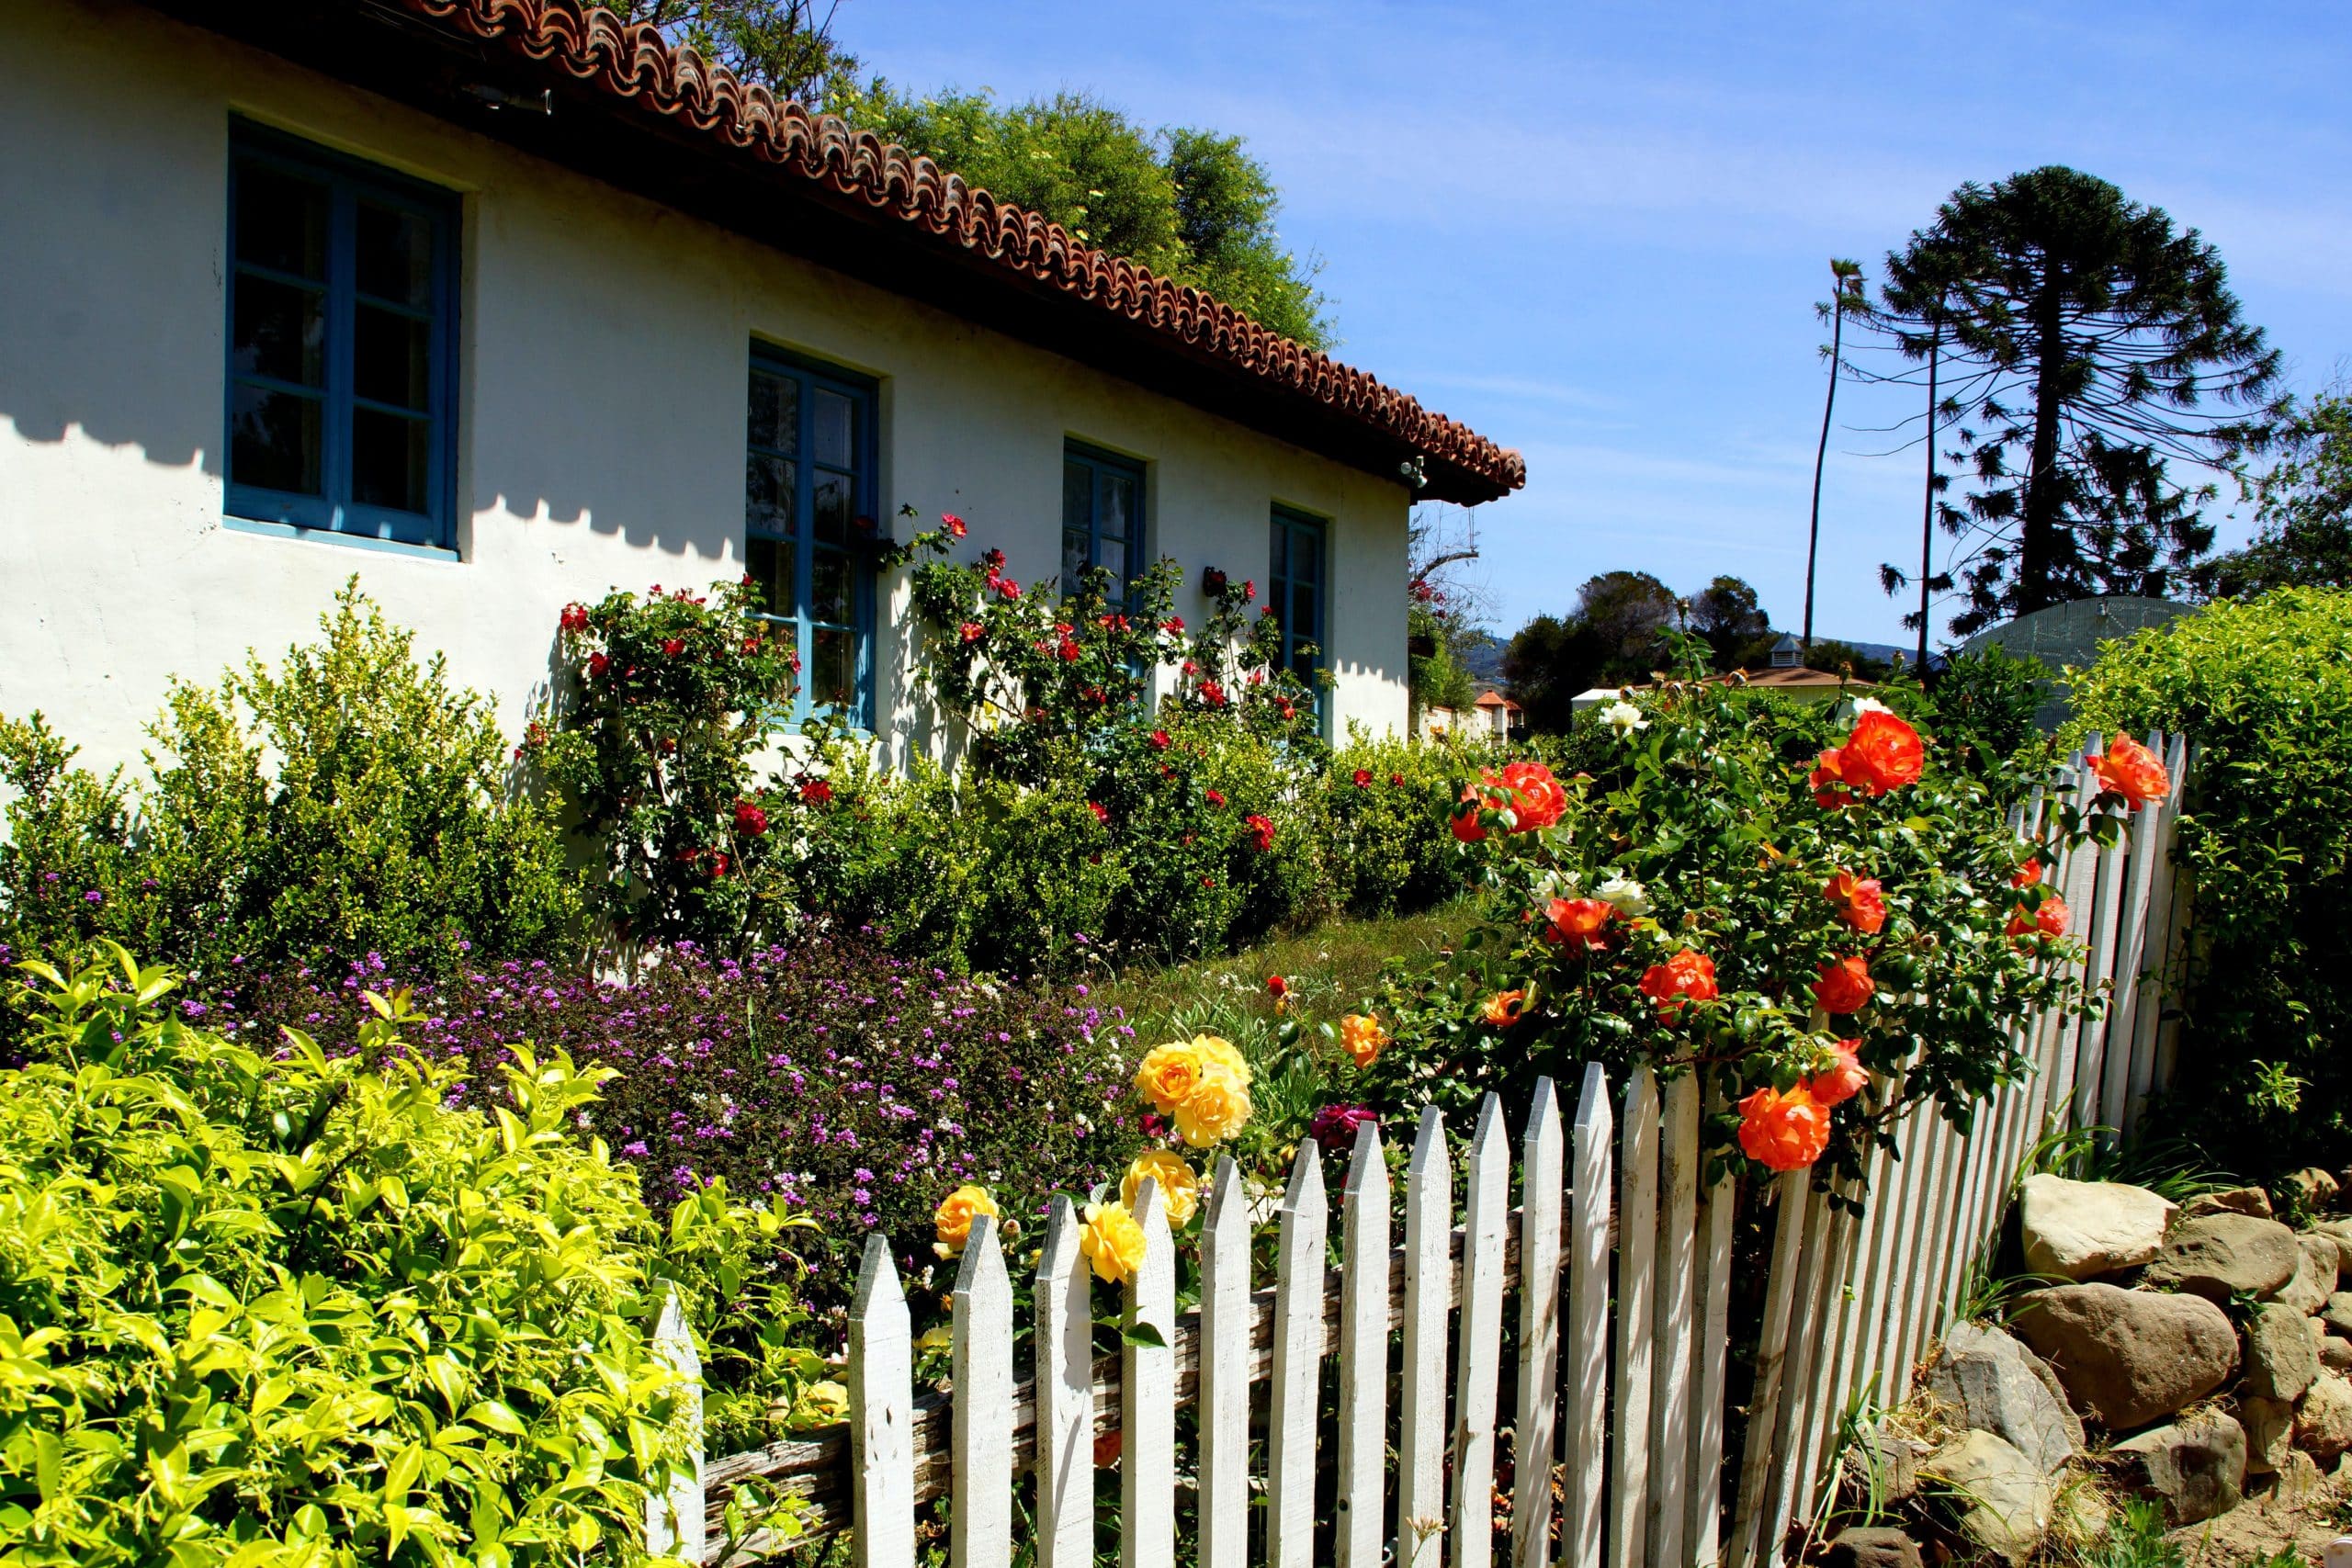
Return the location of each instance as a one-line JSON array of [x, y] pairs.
[[2090, 349]]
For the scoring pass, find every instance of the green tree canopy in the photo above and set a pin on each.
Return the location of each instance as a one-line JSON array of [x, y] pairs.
[[1614, 634], [1190, 204], [2304, 512], [1728, 617], [2089, 345], [787, 46]]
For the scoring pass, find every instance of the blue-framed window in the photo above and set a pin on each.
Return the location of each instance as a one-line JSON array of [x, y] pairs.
[[1102, 515], [342, 334], [809, 505], [1297, 594]]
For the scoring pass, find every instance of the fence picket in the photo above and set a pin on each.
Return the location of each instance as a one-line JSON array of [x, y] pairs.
[[1147, 1430], [2147, 836], [881, 1413], [1298, 1365], [1636, 1324], [1794, 1433], [981, 1530], [1064, 1396], [1592, 1148], [2161, 1027], [1428, 1286], [1702, 1526], [1477, 1368], [1677, 1284], [1790, 1192], [1536, 1425], [675, 1523], [1363, 1354], [1224, 1353]]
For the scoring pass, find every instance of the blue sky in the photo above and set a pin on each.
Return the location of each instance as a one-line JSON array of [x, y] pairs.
[[1595, 232]]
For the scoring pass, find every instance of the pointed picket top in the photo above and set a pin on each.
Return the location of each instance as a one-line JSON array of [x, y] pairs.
[[881, 1413], [675, 1523], [1064, 1347], [1429, 1291], [1303, 1195], [1224, 1372], [980, 1528], [1535, 1426], [1147, 1449]]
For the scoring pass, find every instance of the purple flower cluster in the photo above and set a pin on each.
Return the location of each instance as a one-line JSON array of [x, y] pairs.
[[851, 1086]]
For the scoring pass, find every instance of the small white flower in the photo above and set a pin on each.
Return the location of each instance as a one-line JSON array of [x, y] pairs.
[[1869, 705], [1625, 896], [1624, 717]]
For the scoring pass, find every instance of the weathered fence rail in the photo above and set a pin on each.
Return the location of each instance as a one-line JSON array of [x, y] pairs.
[[1612, 1271]]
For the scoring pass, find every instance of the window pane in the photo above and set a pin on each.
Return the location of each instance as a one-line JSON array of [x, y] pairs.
[[768, 495], [775, 412], [831, 437], [1077, 497], [832, 668], [1281, 550], [1307, 554], [274, 441], [388, 456], [1073, 562], [1117, 521], [281, 220], [392, 358], [395, 255], [280, 330], [1113, 556], [828, 587], [768, 563], [1304, 621], [831, 505]]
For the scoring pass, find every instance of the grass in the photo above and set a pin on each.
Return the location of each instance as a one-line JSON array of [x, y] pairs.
[[1330, 968]]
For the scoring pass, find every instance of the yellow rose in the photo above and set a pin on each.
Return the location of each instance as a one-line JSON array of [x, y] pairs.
[[1169, 1075], [820, 1404], [1363, 1037], [1112, 1241], [956, 1211], [1179, 1189], [1218, 1109], [1220, 1053]]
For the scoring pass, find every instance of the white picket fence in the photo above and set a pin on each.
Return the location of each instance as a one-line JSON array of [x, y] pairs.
[[1615, 1267]]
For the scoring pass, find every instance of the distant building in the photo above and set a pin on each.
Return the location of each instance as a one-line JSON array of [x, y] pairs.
[[2069, 636]]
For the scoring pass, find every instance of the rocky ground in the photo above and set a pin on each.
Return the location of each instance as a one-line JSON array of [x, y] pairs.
[[2194, 1358]]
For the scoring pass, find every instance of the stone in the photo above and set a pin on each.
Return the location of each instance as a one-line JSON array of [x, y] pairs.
[[2280, 1359], [2196, 1467], [2220, 1256], [2236, 1201], [2323, 1419], [2340, 1232], [2315, 1278], [1873, 1547], [2334, 1353], [2312, 1188], [2336, 1313], [2128, 1358], [2083, 1229], [2082, 1517], [2298, 1480], [2270, 1433], [2009, 1498], [1999, 1386]]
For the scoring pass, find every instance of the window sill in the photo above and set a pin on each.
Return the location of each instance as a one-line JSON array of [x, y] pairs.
[[331, 536]]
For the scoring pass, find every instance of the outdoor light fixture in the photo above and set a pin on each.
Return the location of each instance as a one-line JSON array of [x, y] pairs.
[[541, 102]]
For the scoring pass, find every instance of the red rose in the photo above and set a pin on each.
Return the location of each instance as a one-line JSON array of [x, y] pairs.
[[1860, 903], [1363, 778], [1277, 987], [598, 664], [672, 647], [1263, 827], [751, 643], [1688, 977], [816, 791], [972, 631], [718, 864], [1102, 813], [1160, 740], [574, 618], [994, 560], [955, 525], [1217, 797], [1249, 590], [1008, 588], [1213, 694], [2132, 770], [1173, 626], [1882, 753], [750, 821], [2027, 874], [1578, 922], [1398, 780], [1068, 651], [1845, 984]]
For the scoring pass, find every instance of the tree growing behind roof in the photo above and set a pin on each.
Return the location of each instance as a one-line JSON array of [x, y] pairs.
[[785, 46], [2304, 508], [2103, 377], [1192, 205]]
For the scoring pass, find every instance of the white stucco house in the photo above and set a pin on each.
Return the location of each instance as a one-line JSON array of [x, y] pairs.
[[499, 304]]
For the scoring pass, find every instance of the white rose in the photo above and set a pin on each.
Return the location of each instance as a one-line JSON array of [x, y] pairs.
[[1869, 705], [1624, 717], [1625, 896]]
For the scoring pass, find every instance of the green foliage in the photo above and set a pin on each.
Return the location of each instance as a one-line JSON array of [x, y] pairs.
[[673, 697], [1984, 706], [2304, 509], [1384, 838], [345, 801], [295, 1309], [1190, 204], [2263, 688], [1435, 679], [785, 46]]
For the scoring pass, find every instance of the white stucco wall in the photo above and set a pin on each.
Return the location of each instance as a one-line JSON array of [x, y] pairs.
[[605, 346]]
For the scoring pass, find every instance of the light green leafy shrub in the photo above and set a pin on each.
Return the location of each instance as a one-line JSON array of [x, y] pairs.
[[2263, 688], [293, 1308]]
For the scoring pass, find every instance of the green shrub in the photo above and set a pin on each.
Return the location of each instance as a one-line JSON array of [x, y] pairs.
[[346, 801], [1386, 846], [2263, 689], [293, 1308]]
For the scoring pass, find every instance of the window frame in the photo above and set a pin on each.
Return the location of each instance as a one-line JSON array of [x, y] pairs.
[[333, 512], [864, 393], [1286, 524], [1102, 463]]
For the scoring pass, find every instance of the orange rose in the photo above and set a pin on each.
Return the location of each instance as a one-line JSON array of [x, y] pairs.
[[1363, 1038], [1882, 753], [1845, 984], [1827, 781], [1860, 903], [1505, 1008], [1537, 799], [1689, 976], [1578, 922], [2028, 875], [1845, 1080], [2132, 770], [1783, 1131], [2047, 918]]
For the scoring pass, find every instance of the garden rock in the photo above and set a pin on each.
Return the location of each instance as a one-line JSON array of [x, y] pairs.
[[2334, 1353], [2280, 1359], [2270, 1433], [2299, 1479], [2336, 1316], [2081, 1229], [2236, 1201], [2128, 1358], [2340, 1232], [2313, 1187], [2220, 1256], [1999, 1386], [2011, 1500], [2323, 1419], [1871, 1547], [2315, 1278], [2196, 1467]]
